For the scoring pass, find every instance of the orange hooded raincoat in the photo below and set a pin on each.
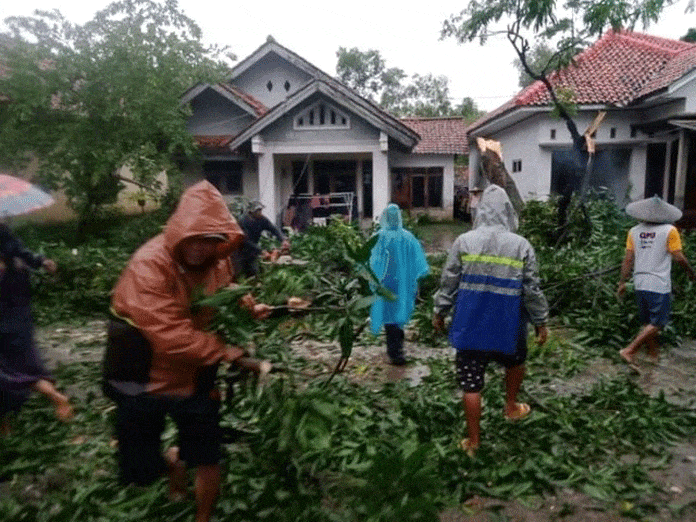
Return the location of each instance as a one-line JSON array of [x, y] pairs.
[[154, 292]]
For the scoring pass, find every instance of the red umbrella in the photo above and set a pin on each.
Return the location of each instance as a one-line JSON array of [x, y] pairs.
[[18, 196]]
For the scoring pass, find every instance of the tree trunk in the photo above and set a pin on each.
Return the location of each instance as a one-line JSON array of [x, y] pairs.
[[494, 170]]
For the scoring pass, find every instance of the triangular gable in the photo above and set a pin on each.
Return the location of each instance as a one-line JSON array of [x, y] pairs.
[[341, 97], [271, 46]]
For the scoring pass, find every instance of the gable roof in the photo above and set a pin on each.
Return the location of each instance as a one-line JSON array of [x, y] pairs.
[[245, 101], [621, 68], [343, 97], [271, 46], [439, 135]]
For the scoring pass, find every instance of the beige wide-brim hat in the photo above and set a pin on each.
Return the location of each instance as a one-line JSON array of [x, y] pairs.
[[653, 210]]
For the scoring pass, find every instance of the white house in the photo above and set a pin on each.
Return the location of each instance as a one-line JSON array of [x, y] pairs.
[[647, 142], [281, 127]]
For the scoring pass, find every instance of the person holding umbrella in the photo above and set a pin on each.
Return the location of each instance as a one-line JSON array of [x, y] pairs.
[[21, 368]]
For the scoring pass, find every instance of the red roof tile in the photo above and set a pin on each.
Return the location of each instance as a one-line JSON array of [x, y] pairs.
[[258, 107], [620, 68], [439, 135], [214, 144]]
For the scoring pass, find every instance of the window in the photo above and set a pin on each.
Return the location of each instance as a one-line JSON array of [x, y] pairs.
[[321, 115], [227, 176], [553, 134], [612, 132], [286, 85], [269, 86], [517, 165], [418, 187]]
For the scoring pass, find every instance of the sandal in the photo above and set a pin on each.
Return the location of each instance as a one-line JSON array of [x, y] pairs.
[[522, 409], [468, 447]]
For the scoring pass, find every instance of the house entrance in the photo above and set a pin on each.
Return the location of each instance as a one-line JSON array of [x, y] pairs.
[[418, 187], [334, 176]]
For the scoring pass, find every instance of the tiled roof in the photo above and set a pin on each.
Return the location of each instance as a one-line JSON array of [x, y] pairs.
[[214, 144], [439, 135], [258, 107], [620, 68]]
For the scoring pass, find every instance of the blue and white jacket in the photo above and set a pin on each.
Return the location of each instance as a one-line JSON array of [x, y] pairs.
[[491, 279]]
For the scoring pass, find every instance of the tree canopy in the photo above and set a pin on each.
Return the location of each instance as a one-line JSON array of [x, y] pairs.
[[89, 99], [426, 95]]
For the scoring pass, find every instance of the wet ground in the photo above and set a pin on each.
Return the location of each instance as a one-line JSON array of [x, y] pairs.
[[674, 376]]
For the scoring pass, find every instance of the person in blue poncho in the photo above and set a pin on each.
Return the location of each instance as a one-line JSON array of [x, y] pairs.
[[398, 261]]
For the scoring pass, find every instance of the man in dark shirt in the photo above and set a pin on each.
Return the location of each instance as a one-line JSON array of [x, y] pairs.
[[254, 223]]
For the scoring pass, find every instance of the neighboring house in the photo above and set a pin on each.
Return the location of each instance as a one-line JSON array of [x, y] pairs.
[[646, 144], [282, 127]]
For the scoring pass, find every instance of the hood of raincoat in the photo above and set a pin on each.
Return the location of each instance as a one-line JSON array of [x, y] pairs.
[[155, 290], [201, 212], [495, 209]]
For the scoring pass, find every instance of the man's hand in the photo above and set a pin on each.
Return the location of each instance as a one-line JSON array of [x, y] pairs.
[[258, 310], [261, 310], [50, 266], [438, 323], [232, 353], [621, 289], [542, 334], [285, 246]]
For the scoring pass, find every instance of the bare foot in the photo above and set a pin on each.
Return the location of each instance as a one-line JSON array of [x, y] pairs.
[[627, 356], [64, 411], [654, 354], [177, 475]]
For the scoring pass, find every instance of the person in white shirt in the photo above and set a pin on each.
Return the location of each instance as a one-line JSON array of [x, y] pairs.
[[651, 246]]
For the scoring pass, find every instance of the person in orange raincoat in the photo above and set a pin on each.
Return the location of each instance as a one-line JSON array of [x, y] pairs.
[[160, 360]]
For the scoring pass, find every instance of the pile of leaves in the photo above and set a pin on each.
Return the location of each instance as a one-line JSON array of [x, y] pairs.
[[307, 447], [305, 450]]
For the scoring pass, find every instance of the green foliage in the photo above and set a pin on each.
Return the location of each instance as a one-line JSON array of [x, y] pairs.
[[341, 288], [422, 95], [580, 276], [350, 452], [115, 81], [86, 272]]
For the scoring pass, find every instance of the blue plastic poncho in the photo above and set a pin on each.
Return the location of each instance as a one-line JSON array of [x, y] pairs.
[[398, 261]]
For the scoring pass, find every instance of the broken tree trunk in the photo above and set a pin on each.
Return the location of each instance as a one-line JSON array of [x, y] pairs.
[[494, 170]]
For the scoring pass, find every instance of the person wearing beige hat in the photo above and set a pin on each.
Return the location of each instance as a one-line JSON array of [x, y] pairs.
[[651, 246]]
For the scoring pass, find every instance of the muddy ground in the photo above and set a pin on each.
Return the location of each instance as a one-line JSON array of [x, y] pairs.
[[675, 376]]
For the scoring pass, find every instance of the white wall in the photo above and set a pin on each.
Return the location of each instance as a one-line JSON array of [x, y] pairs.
[[214, 115], [445, 161], [271, 68]]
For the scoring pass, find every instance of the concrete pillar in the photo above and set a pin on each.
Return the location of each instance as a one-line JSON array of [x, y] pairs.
[[381, 182], [267, 185], [267, 178]]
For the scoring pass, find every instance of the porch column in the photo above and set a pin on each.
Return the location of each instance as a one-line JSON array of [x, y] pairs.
[[680, 178], [381, 182], [267, 178], [359, 189]]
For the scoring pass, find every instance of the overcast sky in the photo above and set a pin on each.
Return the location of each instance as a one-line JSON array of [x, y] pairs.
[[408, 38]]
